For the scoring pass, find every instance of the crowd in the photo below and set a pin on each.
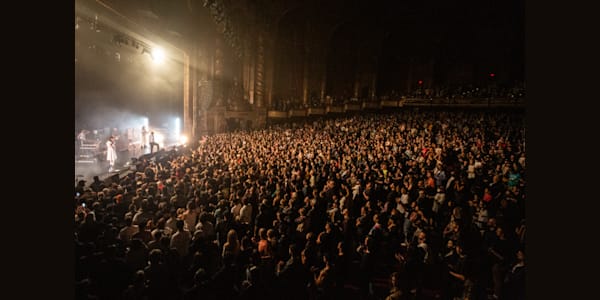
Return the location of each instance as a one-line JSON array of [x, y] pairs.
[[492, 91], [515, 92], [411, 205]]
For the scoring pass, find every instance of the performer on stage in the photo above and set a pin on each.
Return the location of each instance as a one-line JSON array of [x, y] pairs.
[[144, 137], [82, 137], [111, 152], [153, 143]]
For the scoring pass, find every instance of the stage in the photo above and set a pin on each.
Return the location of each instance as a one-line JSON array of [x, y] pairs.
[[96, 164]]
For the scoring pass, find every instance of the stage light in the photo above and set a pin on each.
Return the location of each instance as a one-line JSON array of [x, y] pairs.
[[159, 138], [183, 139], [95, 25], [177, 128], [158, 55]]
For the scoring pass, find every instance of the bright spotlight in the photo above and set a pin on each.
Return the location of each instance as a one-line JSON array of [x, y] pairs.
[[177, 126], [183, 139], [158, 55], [159, 138]]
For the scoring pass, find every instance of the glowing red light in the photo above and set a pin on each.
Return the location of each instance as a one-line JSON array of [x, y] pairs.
[[420, 81], [492, 74]]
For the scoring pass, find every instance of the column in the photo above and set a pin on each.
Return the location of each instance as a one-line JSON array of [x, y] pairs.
[[269, 65], [218, 69], [305, 79], [195, 100], [187, 105], [323, 78], [374, 86], [252, 74], [260, 71], [357, 75]]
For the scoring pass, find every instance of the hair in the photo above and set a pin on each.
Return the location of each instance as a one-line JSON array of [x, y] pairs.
[[369, 242], [157, 235], [155, 256], [294, 251], [329, 258], [200, 275], [232, 237], [139, 277], [246, 242], [160, 224], [322, 237], [262, 233], [395, 278], [179, 225], [145, 204], [191, 205], [310, 236]]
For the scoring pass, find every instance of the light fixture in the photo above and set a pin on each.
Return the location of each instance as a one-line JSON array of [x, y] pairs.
[[158, 55], [95, 24], [183, 139]]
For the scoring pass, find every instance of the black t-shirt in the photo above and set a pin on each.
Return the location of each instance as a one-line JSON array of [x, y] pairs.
[[97, 186], [367, 265]]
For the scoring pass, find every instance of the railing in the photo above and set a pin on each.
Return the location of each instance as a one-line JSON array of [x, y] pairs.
[[465, 102], [397, 103]]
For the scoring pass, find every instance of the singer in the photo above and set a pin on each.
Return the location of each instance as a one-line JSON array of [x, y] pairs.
[[111, 152]]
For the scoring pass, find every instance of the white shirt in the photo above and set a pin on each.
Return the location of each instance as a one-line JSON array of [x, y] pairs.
[[189, 220], [144, 136], [207, 229], [471, 171], [235, 210], [181, 241], [404, 199], [111, 151], [246, 214], [172, 224], [450, 182], [81, 137], [127, 232]]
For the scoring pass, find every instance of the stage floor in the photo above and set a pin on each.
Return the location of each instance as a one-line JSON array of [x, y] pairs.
[[87, 169]]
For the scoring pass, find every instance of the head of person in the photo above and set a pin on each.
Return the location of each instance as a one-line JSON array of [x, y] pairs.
[[179, 225]]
